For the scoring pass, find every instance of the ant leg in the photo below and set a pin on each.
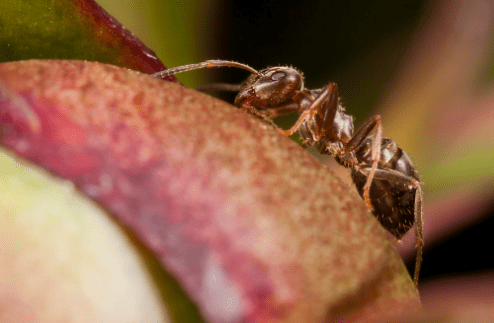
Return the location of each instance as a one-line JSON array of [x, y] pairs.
[[257, 113], [270, 113], [280, 110], [375, 156], [329, 96], [356, 141], [419, 234], [391, 175], [297, 124]]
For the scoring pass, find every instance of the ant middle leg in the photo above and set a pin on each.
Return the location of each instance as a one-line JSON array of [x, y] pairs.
[[419, 234], [324, 106]]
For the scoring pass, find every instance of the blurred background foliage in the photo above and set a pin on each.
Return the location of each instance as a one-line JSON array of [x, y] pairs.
[[426, 67]]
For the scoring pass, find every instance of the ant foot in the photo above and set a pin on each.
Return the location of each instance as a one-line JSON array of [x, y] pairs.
[[367, 200]]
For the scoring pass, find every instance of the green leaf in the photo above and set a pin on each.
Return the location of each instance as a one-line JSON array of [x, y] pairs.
[[70, 30]]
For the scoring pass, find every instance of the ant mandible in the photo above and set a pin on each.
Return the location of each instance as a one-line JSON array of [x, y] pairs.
[[382, 172]]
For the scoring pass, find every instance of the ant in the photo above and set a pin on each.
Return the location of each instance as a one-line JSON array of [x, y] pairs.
[[382, 172]]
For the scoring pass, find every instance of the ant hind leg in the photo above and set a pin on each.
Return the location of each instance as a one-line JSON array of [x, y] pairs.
[[358, 139], [419, 233], [376, 155]]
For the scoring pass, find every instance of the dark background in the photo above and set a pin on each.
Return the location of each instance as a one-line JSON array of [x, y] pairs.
[[340, 42]]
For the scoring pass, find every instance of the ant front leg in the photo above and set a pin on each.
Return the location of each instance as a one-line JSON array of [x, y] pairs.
[[268, 114], [259, 113], [276, 111], [357, 139]]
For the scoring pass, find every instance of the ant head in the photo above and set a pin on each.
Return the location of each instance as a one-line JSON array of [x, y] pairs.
[[264, 89], [272, 86]]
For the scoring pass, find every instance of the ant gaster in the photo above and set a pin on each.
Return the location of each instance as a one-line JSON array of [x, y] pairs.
[[382, 172]]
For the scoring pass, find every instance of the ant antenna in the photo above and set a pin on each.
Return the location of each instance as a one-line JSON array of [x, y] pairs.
[[209, 63]]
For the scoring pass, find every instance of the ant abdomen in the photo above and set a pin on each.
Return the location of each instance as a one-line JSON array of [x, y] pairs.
[[393, 200]]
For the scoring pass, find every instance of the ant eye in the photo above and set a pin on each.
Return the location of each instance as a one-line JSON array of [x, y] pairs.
[[277, 76]]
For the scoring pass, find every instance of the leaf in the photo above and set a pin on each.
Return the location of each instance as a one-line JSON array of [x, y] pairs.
[[76, 29]]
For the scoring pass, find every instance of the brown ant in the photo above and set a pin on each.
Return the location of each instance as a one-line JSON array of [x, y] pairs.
[[382, 172]]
